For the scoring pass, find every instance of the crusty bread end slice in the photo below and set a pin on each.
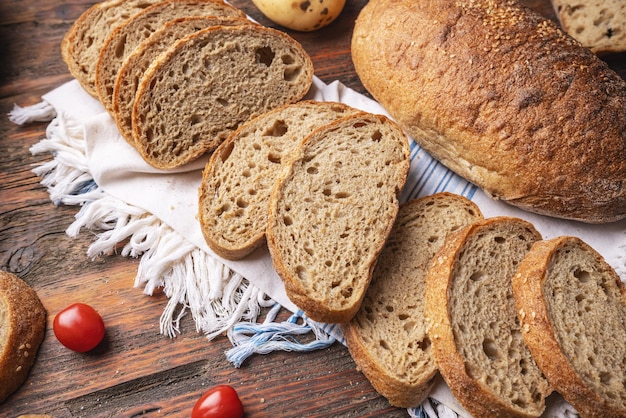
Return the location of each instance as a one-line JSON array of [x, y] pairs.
[[388, 337], [332, 209], [572, 308], [473, 326], [22, 328]]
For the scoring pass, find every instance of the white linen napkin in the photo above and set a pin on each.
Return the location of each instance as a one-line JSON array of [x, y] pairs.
[[172, 196]]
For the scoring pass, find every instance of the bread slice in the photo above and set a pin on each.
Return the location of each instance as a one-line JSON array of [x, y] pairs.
[[237, 181], [599, 25], [137, 62], [208, 84], [477, 340], [388, 337], [331, 211], [572, 309], [82, 42], [22, 328], [123, 40]]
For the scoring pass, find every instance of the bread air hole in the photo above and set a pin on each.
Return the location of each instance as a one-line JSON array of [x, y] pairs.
[[278, 129], [274, 158], [264, 55], [478, 276], [491, 349], [583, 276], [287, 221], [383, 344], [292, 72]]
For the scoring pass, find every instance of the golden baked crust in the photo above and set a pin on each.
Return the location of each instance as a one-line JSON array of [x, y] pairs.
[[590, 294], [22, 328], [503, 97]]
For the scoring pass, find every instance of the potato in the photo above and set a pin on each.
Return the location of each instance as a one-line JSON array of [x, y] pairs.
[[301, 15]]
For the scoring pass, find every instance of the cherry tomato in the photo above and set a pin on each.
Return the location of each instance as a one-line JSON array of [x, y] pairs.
[[79, 327], [219, 402]]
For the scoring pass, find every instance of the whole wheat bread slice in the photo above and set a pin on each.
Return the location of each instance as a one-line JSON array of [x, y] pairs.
[[572, 308], [123, 40], [82, 42], [331, 211], [388, 337], [599, 25], [477, 340], [137, 62], [209, 83], [237, 181], [22, 328]]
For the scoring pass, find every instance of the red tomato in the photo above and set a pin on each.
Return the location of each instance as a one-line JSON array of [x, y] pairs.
[[79, 327], [219, 402]]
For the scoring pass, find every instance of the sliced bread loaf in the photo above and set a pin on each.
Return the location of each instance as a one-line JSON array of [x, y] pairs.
[[210, 82], [477, 340], [572, 308], [22, 328], [126, 36], [237, 181], [82, 43], [137, 62], [331, 211], [388, 337], [599, 25]]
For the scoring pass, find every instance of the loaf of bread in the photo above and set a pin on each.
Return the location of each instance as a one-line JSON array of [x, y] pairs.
[[599, 25], [473, 326], [572, 309], [138, 61], [82, 43], [237, 181], [503, 97], [22, 328], [331, 211], [210, 82], [128, 35], [388, 337]]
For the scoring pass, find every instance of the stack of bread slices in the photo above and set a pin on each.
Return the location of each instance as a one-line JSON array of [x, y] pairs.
[[421, 289], [178, 76]]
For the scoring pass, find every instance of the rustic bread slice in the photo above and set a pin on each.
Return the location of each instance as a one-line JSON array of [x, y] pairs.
[[237, 181], [208, 84], [388, 337], [22, 328], [82, 42], [599, 25], [137, 62], [572, 309], [331, 211], [123, 40], [473, 326]]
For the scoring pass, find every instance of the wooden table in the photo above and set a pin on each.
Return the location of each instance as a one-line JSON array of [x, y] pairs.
[[137, 371]]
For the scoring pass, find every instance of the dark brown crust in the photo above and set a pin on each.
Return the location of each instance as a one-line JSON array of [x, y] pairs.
[[503, 97], [478, 401], [540, 336], [25, 331]]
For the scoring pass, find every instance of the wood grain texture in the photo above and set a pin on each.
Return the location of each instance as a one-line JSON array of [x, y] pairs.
[[137, 371]]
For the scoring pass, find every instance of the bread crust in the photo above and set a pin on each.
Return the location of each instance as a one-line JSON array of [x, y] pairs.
[[540, 335], [473, 395], [21, 331], [503, 97]]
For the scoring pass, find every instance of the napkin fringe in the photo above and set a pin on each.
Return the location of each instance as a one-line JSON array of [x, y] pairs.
[[220, 300]]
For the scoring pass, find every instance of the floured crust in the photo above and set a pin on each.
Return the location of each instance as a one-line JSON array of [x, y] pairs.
[[504, 98], [532, 302], [22, 328], [388, 337]]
